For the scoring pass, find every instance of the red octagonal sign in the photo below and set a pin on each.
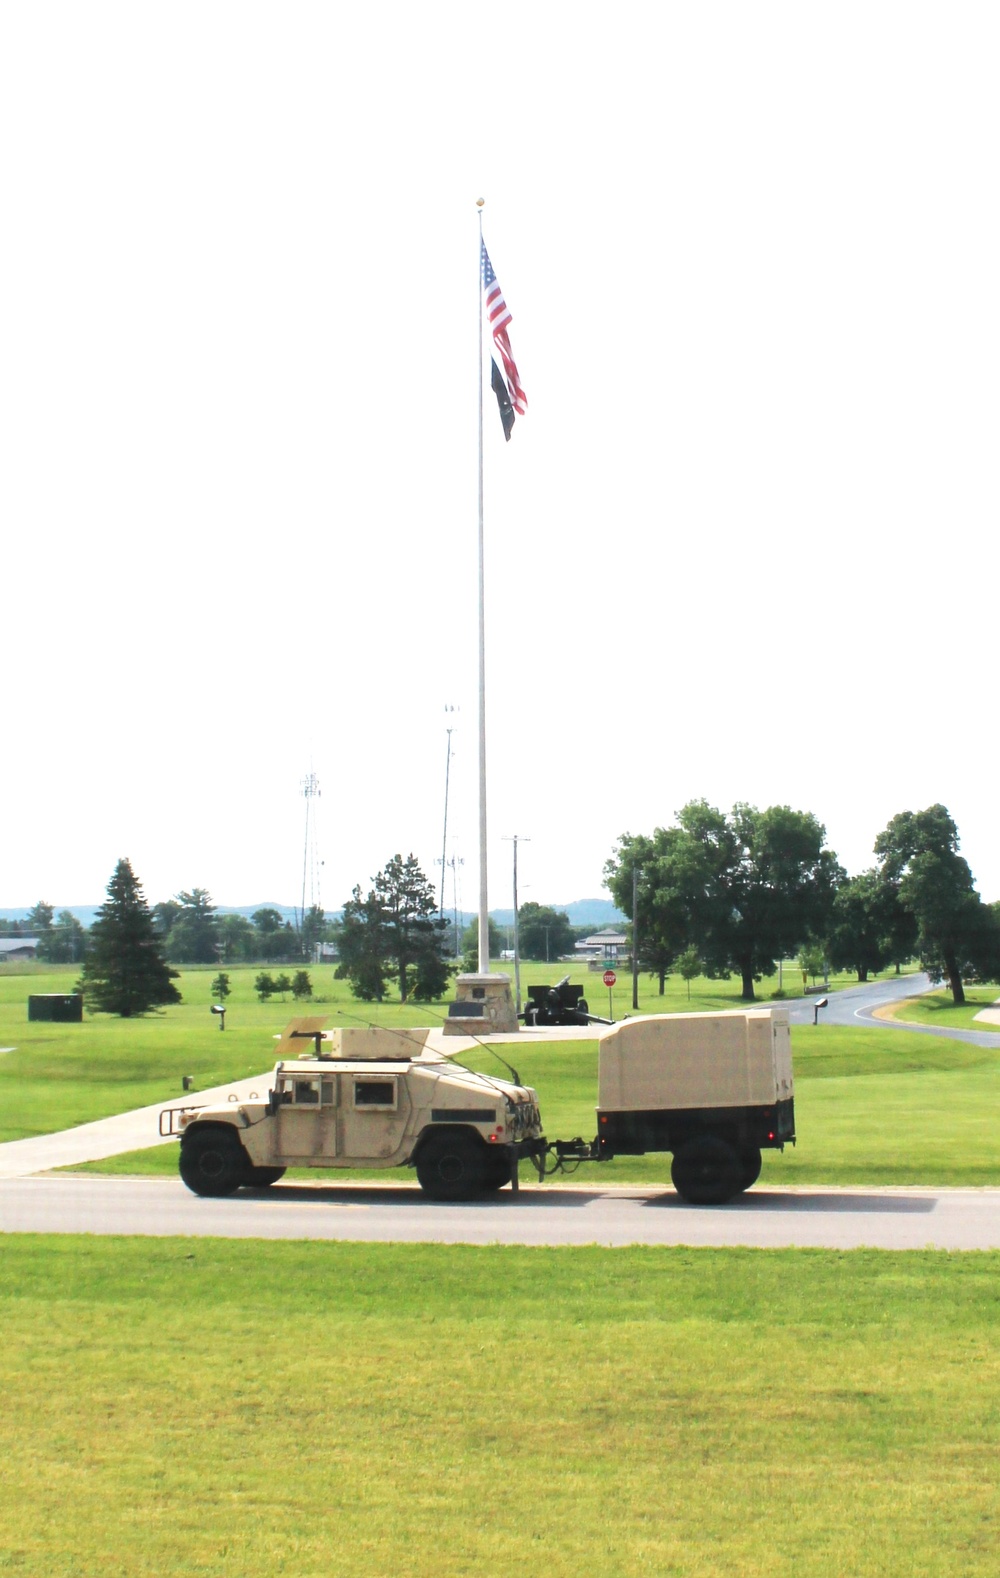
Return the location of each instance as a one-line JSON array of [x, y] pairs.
[[610, 977]]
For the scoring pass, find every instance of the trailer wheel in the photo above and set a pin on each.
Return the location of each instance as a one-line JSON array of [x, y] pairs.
[[213, 1162], [453, 1167], [751, 1162], [263, 1177], [707, 1171]]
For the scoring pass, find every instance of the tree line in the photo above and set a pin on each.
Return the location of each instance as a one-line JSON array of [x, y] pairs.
[[190, 930], [735, 892], [716, 894]]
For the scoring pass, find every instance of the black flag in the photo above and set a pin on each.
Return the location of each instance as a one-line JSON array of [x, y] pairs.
[[503, 401]]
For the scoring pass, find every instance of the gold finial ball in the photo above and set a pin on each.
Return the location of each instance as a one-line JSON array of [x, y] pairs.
[[480, 201]]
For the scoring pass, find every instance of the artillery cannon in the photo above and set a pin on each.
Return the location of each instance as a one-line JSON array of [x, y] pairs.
[[561, 1004]]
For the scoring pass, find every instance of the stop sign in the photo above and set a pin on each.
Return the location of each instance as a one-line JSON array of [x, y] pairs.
[[610, 977]]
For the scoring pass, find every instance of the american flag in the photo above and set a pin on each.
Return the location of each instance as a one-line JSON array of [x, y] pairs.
[[499, 316]]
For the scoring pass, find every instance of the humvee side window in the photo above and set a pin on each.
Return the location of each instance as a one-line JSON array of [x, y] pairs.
[[307, 1092], [374, 1093]]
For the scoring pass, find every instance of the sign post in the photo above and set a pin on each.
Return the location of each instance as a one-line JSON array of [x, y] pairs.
[[609, 980]]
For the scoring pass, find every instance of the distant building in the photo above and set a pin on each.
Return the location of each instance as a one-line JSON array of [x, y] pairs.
[[609, 945], [18, 948]]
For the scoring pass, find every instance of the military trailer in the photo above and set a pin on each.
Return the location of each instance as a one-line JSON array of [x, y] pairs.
[[714, 1089], [362, 1097]]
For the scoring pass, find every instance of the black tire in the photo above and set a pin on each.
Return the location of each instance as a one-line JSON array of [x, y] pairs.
[[213, 1162], [707, 1171], [263, 1177], [751, 1162], [453, 1167], [499, 1170], [583, 1007], [530, 1013]]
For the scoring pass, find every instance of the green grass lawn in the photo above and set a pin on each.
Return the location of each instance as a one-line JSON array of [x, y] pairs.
[[937, 1008], [198, 1407]]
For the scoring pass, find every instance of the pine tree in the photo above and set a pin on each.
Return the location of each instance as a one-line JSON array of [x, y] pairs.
[[125, 972]]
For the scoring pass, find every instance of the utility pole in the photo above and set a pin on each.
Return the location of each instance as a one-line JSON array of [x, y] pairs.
[[517, 951]]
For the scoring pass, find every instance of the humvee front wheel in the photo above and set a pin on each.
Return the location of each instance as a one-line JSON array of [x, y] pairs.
[[452, 1167], [707, 1171], [499, 1170], [213, 1162], [262, 1177]]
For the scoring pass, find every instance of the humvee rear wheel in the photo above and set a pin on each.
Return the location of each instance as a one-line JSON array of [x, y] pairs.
[[213, 1163], [263, 1177], [707, 1171], [751, 1162], [453, 1167]]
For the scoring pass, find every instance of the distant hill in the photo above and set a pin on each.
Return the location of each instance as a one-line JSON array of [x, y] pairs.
[[84, 913], [582, 912]]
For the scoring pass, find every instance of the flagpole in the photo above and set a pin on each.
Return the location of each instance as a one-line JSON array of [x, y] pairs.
[[484, 914]]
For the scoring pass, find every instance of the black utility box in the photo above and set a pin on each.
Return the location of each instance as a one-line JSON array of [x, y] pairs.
[[61, 1009]]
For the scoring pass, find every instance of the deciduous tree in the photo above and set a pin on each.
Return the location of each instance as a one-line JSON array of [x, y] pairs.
[[742, 889], [957, 935], [869, 928], [194, 934], [268, 925], [543, 932], [66, 942]]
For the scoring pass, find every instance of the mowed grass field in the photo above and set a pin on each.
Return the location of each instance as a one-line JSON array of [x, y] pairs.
[[314, 1409], [872, 1105], [197, 1407]]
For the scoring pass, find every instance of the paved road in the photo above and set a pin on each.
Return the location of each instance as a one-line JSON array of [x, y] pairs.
[[765, 1218], [856, 1004]]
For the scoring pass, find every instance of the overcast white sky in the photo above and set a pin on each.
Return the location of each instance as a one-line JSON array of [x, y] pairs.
[[742, 546]]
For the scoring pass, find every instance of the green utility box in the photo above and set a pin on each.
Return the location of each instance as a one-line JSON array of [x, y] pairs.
[[57, 1007]]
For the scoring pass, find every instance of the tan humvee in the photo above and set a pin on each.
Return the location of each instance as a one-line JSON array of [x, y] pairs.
[[363, 1097]]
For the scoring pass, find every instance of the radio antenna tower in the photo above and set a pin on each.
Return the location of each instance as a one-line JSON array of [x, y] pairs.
[[311, 863]]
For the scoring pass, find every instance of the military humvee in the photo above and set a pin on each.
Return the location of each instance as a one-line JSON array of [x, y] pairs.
[[363, 1096]]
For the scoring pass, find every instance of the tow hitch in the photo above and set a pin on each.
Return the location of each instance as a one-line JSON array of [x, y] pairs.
[[549, 1157]]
